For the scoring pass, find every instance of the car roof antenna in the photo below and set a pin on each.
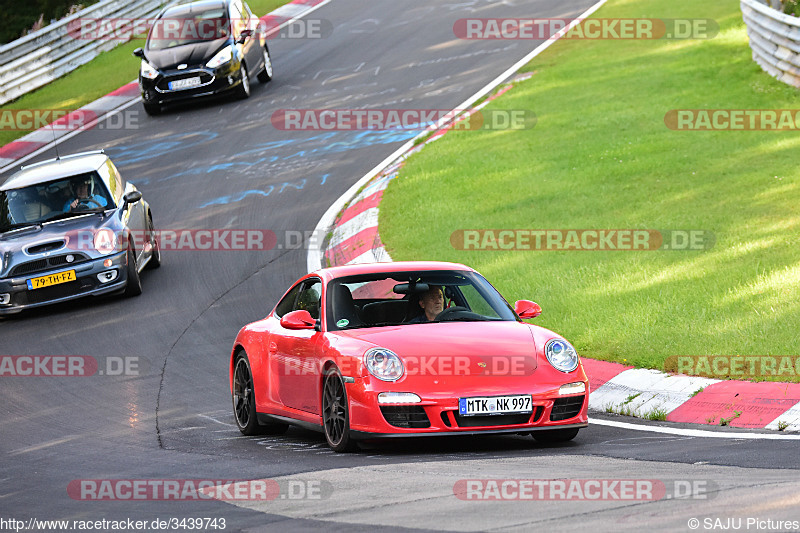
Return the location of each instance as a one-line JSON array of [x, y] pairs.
[[55, 141]]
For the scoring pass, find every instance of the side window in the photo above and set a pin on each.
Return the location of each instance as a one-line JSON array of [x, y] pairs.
[[306, 295], [310, 297], [287, 304]]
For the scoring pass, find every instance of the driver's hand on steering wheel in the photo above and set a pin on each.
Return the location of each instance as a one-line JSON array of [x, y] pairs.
[[75, 203]]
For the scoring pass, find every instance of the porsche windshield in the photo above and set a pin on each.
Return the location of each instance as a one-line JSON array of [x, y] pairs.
[[420, 297], [180, 28], [44, 202]]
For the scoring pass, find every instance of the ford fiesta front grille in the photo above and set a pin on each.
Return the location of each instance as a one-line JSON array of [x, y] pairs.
[[564, 408], [41, 265]]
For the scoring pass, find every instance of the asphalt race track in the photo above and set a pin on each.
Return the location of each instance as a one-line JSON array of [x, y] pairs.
[[222, 165]]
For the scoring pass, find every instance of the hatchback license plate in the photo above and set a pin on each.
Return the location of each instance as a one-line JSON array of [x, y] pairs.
[[495, 405], [185, 83], [52, 279]]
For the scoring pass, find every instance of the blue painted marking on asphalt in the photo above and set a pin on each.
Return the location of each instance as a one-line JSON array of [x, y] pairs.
[[344, 141], [357, 140], [238, 197], [146, 150]]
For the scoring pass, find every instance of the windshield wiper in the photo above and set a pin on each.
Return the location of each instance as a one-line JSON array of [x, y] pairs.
[[71, 214], [20, 226]]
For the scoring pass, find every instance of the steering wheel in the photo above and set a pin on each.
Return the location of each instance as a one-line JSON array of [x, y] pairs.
[[88, 201], [441, 317]]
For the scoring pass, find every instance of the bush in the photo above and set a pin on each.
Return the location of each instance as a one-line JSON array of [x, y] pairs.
[[20, 17], [791, 7]]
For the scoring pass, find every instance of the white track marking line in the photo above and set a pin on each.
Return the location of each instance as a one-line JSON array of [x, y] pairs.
[[691, 432]]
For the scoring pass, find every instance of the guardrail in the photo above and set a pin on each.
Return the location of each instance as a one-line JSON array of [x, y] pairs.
[[774, 39], [47, 54]]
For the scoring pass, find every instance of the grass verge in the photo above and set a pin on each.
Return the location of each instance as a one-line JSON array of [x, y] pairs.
[[601, 157], [107, 72]]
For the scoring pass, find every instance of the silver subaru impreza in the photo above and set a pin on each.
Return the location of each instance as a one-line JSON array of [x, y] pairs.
[[67, 230]]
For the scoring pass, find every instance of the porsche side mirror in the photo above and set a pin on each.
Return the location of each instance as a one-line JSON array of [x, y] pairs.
[[527, 309], [139, 53], [300, 319]]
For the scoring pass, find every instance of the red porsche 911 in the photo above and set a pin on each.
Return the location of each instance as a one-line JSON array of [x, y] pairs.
[[404, 349]]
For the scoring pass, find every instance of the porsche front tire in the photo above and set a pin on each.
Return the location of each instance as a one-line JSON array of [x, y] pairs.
[[336, 413]]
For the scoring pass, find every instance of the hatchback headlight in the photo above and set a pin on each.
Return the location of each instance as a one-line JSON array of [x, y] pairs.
[[384, 364], [222, 57], [105, 241], [148, 71], [561, 355]]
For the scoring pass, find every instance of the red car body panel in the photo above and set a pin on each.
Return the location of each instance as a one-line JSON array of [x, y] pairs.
[[444, 362]]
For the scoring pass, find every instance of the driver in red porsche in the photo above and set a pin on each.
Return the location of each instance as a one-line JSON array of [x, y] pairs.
[[432, 303], [81, 191]]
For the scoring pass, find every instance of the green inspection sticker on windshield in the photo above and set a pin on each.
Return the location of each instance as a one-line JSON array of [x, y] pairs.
[[342, 323]]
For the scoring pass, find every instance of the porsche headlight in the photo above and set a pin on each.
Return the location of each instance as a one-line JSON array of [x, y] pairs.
[[384, 364], [222, 57], [105, 241], [561, 355], [148, 71]]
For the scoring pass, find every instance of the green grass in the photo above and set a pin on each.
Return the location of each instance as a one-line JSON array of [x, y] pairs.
[[107, 72], [658, 414], [727, 421], [601, 157]]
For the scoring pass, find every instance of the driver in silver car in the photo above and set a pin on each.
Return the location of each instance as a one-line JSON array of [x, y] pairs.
[[82, 190]]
